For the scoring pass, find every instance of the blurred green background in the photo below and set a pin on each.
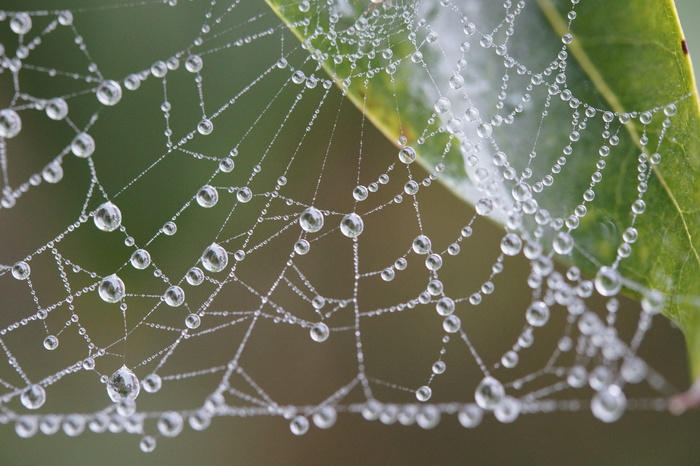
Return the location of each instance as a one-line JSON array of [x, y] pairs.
[[640, 438]]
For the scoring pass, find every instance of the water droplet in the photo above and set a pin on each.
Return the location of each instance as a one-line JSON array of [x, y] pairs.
[[51, 342], [21, 270], [33, 397], [200, 419], [484, 206], [510, 359], [244, 195], [299, 425], [108, 217], [26, 426], [522, 192], [439, 367], [74, 425], [511, 244], [388, 274], [470, 416], [489, 393], [451, 324], [608, 281], [433, 262], [195, 276], [123, 385], [407, 155], [352, 225], [442, 105], [56, 109], [215, 258], [192, 321], [170, 424], [456, 81], [109, 92], [537, 314], [319, 332], [609, 404], [563, 243], [325, 417], [205, 127], [140, 259], [111, 289], [147, 444], [411, 187], [207, 196], [424, 393], [507, 410], [194, 64], [20, 23], [445, 306], [653, 302], [83, 145], [484, 130], [422, 244], [645, 118], [152, 383], [577, 376], [10, 123], [174, 296], [428, 417], [302, 247], [311, 220], [226, 165]]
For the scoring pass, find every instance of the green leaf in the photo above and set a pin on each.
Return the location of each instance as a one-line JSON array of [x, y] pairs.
[[626, 57]]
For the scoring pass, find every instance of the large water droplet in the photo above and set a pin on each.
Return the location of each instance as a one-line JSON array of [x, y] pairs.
[[215, 258], [140, 259], [152, 383], [108, 217], [174, 296], [10, 123], [563, 243], [83, 145], [194, 63], [299, 425], [537, 314], [325, 417], [507, 410], [352, 225], [123, 385], [56, 109], [207, 196], [111, 289], [311, 220], [608, 281], [422, 244], [319, 332], [489, 393], [470, 415], [424, 393], [21, 270], [109, 92], [170, 424], [407, 155], [33, 397], [609, 404], [511, 244], [51, 342], [21, 23]]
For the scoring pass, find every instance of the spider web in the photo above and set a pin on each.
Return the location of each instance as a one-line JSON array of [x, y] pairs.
[[214, 232]]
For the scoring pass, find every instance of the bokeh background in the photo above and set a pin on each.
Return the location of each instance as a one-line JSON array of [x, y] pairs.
[[639, 438]]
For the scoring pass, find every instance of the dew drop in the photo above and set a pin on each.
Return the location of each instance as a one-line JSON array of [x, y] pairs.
[[325, 417], [56, 109], [609, 404], [424, 393], [174, 296], [407, 155], [360, 193], [311, 220], [445, 306], [433, 262], [302, 247], [194, 64], [537, 314], [21, 23], [21, 270], [215, 258], [470, 416], [244, 195], [489, 393], [10, 123], [563, 243], [140, 259], [109, 93], [352, 225], [507, 410], [170, 424], [33, 397], [195, 276], [207, 196], [147, 444], [108, 217], [51, 342], [451, 324], [608, 281], [442, 105], [484, 130], [111, 289], [123, 385], [299, 425], [484, 206], [205, 127], [319, 332], [511, 244], [152, 383], [192, 321], [83, 145], [422, 244]]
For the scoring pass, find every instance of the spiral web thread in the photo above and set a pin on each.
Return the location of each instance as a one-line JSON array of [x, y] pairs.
[[260, 274]]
